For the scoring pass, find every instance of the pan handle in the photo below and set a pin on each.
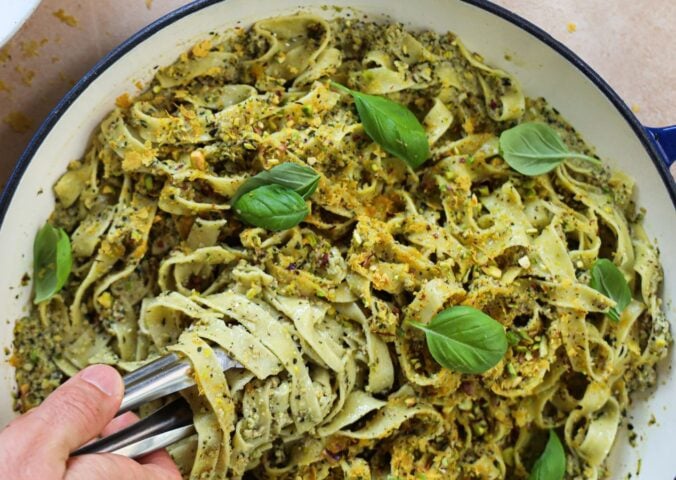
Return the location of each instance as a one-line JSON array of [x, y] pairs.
[[665, 140]]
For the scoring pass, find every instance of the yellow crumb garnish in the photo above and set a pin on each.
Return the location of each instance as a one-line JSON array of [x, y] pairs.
[[14, 361], [4, 55], [198, 161], [18, 122], [4, 87], [149, 4], [105, 299], [123, 101], [138, 84], [635, 108], [202, 48], [132, 161], [26, 75], [69, 20], [31, 48], [571, 26]]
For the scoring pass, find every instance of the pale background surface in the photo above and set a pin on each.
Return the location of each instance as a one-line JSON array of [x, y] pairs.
[[628, 42]]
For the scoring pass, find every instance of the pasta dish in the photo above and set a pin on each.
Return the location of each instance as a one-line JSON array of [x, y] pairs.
[[354, 213]]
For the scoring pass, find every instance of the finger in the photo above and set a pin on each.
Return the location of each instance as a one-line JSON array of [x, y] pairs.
[[77, 411], [106, 466], [160, 457]]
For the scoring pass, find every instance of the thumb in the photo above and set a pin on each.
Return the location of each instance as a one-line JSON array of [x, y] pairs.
[[78, 410]]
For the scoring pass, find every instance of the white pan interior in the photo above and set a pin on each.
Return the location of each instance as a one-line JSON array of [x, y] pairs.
[[542, 71]]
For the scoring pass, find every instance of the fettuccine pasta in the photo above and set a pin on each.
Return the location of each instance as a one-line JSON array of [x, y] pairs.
[[335, 385]]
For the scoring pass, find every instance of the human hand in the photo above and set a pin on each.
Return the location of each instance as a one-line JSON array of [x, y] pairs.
[[36, 446]]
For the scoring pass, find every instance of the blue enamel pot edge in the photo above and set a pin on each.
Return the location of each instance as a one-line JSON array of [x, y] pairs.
[[660, 143], [665, 141]]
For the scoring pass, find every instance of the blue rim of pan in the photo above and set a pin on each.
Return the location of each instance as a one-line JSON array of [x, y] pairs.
[[134, 40]]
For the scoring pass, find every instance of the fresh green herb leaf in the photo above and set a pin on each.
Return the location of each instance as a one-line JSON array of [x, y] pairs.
[[607, 279], [535, 148], [52, 262], [273, 207], [392, 126], [552, 463], [464, 339], [299, 178]]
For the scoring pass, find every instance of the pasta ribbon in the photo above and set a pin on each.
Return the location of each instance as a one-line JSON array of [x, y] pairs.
[[334, 383]]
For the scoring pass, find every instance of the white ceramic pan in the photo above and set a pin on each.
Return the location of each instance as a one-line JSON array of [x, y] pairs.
[[545, 68], [13, 15]]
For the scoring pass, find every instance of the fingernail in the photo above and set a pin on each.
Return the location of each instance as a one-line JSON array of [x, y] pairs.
[[102, 377]]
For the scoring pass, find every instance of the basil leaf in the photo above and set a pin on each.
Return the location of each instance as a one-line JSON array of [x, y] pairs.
[[299, 178], [607, 279], [52, 262], [392, 126], [535, 148], [552, 463], [465, 339], [273, 207]]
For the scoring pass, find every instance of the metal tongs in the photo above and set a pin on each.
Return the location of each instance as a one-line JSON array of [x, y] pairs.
[[169, 424]]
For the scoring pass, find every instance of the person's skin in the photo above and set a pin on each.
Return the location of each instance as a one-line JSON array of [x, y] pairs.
[[36, 446]]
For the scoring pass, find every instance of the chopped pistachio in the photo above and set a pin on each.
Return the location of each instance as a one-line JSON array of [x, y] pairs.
[[479, 428], [465, 405], [524, 261], [493, 271]]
